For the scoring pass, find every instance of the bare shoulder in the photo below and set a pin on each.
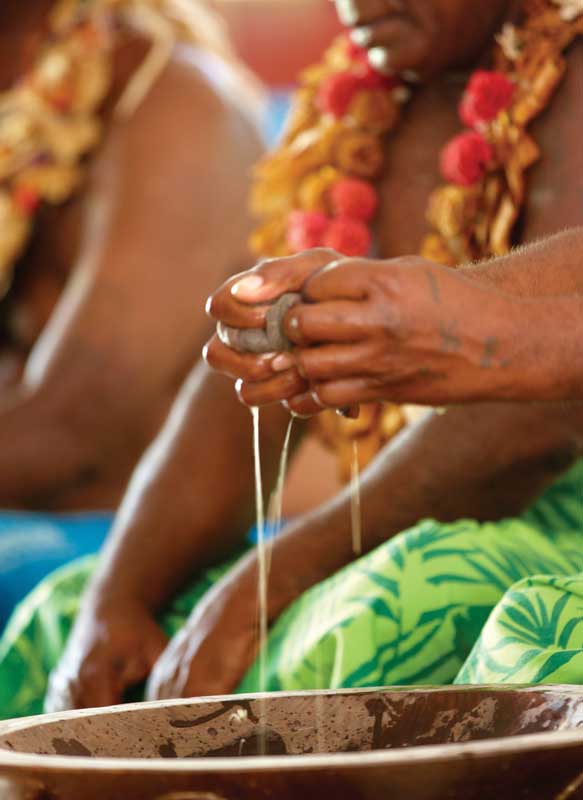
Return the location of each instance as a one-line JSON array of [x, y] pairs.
[[556, 183], [199, 107]]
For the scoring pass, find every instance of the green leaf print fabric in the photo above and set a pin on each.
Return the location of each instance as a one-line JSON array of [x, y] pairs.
[[467, 602]]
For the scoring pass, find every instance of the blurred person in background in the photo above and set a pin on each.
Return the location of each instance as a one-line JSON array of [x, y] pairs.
[[501, 482], [127, 132]]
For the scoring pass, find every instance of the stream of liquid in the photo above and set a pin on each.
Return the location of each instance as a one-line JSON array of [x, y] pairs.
[[275, 509], [261, 576], [355, 513], [274, 519]]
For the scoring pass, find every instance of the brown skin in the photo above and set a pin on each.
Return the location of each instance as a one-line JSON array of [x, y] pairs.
[[499, 458], [411, 331], [159, 222]]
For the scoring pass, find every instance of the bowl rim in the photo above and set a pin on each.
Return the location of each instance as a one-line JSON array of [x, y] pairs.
[[420, 754]]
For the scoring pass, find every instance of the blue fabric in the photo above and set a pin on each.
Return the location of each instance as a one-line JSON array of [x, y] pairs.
[[277, 110], [33, 545], [270, 532]]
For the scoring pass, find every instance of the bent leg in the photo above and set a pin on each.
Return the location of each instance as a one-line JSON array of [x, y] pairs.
[[534, 635], [410, 611]]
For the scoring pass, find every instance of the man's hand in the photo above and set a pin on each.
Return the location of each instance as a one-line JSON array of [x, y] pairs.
[[404, 330], [243, 302], [110, 650], [213, 651]]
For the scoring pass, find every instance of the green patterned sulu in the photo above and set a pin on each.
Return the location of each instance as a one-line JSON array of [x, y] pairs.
[[467, 602]]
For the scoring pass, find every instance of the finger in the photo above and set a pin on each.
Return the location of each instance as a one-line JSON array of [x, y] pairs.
[[155, 647], [58, 697], [337, 321], [340, 280], [333, 362], [156, 687], [249, 367], [272, 278], [340, 393], [97, 692], [138, 668], [281, 387], [224, 307], [303, 405], [353, 12]]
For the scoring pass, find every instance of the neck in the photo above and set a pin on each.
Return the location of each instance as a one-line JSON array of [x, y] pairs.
[[22, 27], [459, 75]]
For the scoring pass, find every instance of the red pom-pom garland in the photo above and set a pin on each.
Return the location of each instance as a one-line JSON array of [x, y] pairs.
[[465, 159], [337, 93], [487, 94], [306, 229], [354, 198], [351, 237]]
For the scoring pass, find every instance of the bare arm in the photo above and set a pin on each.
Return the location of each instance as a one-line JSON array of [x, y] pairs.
[[162, 223], [551, 267], [190, 501], [483, 462]]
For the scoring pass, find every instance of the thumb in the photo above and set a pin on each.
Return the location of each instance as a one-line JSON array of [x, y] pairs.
[[155, 646], [270, 279], [138, 667]]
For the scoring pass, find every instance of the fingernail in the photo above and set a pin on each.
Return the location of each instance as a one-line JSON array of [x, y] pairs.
[[316, 399], [208, 306], [361, 36], [282, 362], [295, 414], [205, 351], [222, 333], [249, 284], [380, 59], [347, 12]]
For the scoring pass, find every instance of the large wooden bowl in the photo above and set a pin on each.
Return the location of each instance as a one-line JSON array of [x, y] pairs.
[[390, 744]]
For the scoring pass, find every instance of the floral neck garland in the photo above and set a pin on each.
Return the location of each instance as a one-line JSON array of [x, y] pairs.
[[49, 121], [318, 188]]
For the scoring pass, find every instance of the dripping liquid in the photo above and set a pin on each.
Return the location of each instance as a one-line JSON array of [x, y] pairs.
[[264, 552], [274, 520], [274, 514], [355, 514], [261, 576]]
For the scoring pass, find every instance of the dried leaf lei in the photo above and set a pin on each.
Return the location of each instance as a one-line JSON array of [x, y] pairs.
[[49, 121], [318, 188]]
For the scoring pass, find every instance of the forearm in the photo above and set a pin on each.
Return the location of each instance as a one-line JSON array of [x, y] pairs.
[[39, 459], [549, 268], [484, 462], [191, 500]]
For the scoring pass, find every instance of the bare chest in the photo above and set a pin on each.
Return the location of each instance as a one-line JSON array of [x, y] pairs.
[[555, 184]]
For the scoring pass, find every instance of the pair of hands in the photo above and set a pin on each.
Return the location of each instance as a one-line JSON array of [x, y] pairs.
[[405, 330], [117, 645]]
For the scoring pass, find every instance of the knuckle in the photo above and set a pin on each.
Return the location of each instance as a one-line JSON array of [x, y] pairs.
[[321, 396], [304, 364], [257, 371], [325, 252]]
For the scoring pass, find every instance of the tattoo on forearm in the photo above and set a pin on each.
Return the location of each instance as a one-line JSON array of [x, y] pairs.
[[434, 286], [490, 350], [450, 341], [428, 374]]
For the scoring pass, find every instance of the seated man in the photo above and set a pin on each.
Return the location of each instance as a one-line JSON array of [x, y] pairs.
[[411, 609], [116, 127]]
